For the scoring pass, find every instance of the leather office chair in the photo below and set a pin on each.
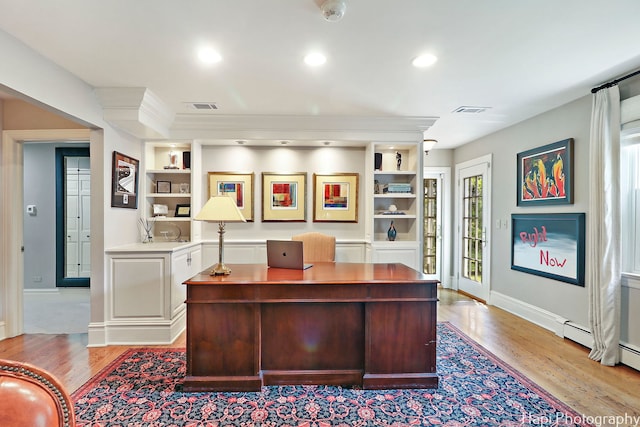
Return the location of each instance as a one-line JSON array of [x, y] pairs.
[[30, 396], [317, 247]]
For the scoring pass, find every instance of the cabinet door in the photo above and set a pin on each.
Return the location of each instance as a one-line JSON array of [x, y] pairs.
[[181, 268], [186, 263]]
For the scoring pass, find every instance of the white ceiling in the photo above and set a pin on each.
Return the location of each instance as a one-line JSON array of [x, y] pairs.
[[517, 57]]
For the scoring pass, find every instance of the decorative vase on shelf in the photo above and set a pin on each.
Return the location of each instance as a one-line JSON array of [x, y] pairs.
[[145, 229], [391, 232]]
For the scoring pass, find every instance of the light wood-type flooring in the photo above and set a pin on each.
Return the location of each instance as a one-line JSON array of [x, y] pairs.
[[557, 365]]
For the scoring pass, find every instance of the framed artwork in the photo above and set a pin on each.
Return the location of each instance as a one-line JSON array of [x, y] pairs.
[[183, 210], [335, 197], [237, 185], [284, 196], [124, 181], [163, 186], [549, 245], [545, 175]]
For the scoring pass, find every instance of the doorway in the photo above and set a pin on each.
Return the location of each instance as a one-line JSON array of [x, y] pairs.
[[12, 217], [56, 178], [473, 220]]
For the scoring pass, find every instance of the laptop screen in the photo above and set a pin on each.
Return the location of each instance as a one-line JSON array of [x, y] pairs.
[[286, 254]]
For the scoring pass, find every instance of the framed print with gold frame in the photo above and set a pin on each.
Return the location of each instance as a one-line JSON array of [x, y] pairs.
[[335, 197], [238, 185], [284, 196]]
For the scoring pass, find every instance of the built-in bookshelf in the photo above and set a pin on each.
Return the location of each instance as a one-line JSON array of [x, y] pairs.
[[168, 190], [397, 198]]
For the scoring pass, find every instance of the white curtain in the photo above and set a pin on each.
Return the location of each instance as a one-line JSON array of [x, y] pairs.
[[603, 233]]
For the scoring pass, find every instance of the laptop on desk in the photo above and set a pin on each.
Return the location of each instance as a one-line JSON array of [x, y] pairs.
[[286, 254]]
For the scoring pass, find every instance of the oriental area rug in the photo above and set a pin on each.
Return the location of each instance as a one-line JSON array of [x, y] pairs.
[[476, 389]]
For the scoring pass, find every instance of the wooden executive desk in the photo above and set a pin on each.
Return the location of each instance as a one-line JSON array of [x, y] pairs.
[[371, 325]]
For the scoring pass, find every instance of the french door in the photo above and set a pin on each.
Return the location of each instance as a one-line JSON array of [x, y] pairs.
[[473, 221], [432, 241]]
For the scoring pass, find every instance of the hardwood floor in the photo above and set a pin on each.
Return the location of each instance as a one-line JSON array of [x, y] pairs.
[[559, 366]]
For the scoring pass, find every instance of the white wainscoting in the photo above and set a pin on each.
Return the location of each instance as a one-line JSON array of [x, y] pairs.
[[255, 252]]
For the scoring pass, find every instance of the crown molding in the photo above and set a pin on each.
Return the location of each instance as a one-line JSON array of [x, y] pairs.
[[139, 112], [136, 110], [269, 127]]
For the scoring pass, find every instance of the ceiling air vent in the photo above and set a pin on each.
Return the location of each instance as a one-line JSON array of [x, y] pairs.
[[466, 109], [201, 106]]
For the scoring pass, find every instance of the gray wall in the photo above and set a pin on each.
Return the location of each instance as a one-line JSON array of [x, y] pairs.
[[568, 121]]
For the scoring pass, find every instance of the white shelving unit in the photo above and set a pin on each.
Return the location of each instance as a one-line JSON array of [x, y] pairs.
[[177, 192], [403, 208]]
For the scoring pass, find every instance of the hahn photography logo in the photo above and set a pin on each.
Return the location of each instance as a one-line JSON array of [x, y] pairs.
[[561, 419]]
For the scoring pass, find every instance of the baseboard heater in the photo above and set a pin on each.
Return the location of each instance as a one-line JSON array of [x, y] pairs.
[[629, 354]]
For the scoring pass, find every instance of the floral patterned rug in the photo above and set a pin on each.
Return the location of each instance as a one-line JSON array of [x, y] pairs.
[[476, 389]]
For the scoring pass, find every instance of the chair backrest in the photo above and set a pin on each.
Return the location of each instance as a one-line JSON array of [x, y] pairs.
[[317, 247], [30, 396]]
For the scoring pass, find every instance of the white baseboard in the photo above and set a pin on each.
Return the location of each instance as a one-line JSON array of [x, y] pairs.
[[97, 335], [41, 291], [564, 328], [136, 332], [533, 314]]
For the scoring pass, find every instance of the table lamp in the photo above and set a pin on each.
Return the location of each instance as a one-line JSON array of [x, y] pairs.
[[220, 209]]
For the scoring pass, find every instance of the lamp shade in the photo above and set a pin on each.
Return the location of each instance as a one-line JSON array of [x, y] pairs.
[[220, 209]]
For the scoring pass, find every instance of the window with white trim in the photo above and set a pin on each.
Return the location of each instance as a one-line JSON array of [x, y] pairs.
[[630, 202]]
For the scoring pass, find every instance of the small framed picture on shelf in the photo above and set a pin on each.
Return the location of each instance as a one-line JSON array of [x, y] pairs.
[[183, 210], [184, 188], [163, 187]]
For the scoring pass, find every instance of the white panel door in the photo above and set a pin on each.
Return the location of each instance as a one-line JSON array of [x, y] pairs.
[[72, 214], [84, 208], [77, 217]]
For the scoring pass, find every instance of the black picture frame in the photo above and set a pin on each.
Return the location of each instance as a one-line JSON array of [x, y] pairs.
[[549, 245], [545, 175], [183, 210], [124, 181]]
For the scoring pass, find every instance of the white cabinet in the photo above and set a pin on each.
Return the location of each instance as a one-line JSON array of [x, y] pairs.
[[145, 303], [396, 201], [186, 263], [168, 189]]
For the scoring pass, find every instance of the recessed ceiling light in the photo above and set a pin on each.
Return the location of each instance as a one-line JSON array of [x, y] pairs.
[[315, 59], [425, 60], [208, 55]]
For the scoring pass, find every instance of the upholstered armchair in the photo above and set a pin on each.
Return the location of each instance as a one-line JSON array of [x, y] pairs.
[[31, 397], [317, 247]]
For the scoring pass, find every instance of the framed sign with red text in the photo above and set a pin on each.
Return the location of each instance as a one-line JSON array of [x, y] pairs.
[[549, 245]]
